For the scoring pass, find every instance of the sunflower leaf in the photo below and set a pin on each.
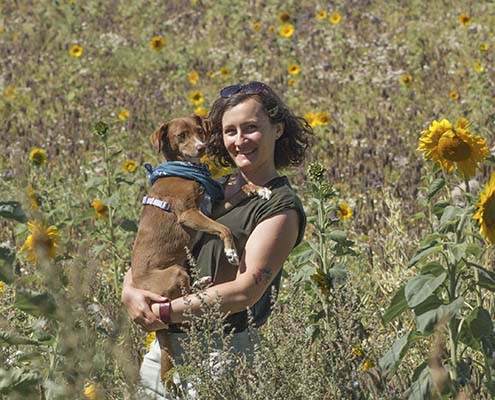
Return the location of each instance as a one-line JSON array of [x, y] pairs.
[[392, 358], [12, 210], [419, 288], [424, 253], [19, 381], [426, 322], [397, 306], [13, 338], [421, 387], [435, 187], [37, 304]]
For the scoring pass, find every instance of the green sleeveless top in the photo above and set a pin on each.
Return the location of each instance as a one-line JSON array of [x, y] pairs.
[[242, 219]]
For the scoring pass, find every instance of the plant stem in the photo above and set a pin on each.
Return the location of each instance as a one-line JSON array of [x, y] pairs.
[[116, 270]]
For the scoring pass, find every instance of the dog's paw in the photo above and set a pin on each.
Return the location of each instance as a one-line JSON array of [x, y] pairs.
[[232, 256], [264, 193]]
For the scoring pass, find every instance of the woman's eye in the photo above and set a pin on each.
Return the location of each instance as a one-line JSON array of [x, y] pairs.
[[229, 132], [251, 128]]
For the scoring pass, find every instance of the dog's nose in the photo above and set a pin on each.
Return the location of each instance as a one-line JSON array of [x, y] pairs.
[[200, 147]]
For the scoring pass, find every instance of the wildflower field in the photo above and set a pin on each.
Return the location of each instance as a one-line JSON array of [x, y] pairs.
[[390, 296]]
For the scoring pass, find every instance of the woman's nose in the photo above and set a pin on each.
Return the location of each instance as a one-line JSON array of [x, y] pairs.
[[239, 138]]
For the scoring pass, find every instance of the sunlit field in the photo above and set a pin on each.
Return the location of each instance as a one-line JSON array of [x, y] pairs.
[[390, 296]]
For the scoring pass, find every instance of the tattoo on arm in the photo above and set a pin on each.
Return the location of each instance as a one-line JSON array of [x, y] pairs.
[[263, 275]]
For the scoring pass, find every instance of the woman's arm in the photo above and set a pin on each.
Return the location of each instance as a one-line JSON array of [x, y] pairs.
[[266, 250]]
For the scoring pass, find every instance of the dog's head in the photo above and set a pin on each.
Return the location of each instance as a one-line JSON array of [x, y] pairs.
[[182, 139]]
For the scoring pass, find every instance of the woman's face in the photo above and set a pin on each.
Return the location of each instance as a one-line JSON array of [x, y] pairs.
[[249, 137]]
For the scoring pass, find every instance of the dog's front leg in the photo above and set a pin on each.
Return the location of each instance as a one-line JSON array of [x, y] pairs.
[[195, 219]]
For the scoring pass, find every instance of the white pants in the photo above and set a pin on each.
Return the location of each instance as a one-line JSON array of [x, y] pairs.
[[242, 342]]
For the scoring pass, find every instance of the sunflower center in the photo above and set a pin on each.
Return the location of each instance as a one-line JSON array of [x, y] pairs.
[[452, 148], [489, 213]]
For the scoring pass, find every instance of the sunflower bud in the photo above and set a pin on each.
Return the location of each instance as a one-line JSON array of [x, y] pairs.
[[101, 129], [316, 171]]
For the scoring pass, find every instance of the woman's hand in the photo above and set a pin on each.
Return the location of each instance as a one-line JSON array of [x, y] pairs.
[[138, 304]]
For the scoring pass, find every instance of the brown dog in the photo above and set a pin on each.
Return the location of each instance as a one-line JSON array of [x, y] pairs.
[[170, 218]]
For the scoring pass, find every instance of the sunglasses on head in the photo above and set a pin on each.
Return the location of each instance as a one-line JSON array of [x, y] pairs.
[[248, 88]]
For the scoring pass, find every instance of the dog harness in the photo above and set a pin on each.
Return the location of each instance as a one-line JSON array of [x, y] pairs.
[[184, 169]]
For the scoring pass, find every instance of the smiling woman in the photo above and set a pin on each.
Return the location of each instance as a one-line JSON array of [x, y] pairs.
[[255, 132]]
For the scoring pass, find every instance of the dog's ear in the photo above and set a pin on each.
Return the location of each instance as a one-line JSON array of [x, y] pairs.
[[205, 123], [159, 139]]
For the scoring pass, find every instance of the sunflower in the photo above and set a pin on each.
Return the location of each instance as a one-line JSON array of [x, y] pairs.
[[357, 352], [9, 91], [367, 364], [256, 26], [320, 15], [201, 111], [484, 46], [321, 281], [124, 114], [450, 146], [478, 67], [38, 156], [41, 243], [2, 288], [196, 97], [100, 209], [284, 17], [322, 118], [344, 211], [291, 82], [271, 28], [193, 77], [148, 339], [486, 211], [310, 118], [90, 392], [224, 71], [286, 30], [216, 170], [293, 69], [454, 95], [335, 18], [130, 166], [464, 19], [76, 50], [157, 43], [211, 74], [406, 79]]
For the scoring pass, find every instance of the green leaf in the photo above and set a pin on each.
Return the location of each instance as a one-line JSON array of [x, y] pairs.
[[439, 207], [38, 304], [431, 303], [458, 251], [426, 322], [13, 338], [19, 381], [435, 187], [129, 225], [12, 210], [432, 268], [7, 257], [397, 306], [419, 288], [421, 387], [338, 236], [424, 253], [476, 325], [450, 216], [392, 358], [486, 279]]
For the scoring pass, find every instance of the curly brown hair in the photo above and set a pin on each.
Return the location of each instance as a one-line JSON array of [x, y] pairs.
[[290, 148]]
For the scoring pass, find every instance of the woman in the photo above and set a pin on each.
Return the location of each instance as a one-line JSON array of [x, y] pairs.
[[254, 131]]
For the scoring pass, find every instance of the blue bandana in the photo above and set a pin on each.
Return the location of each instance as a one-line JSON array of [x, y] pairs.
[[194, 171]]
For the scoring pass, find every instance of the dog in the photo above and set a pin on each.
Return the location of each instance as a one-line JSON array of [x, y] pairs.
[[171, 214]]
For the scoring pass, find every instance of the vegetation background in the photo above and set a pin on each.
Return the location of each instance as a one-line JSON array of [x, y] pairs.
[[84, 84]]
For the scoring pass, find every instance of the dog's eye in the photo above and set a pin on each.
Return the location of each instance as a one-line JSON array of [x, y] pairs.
[[182, 135]]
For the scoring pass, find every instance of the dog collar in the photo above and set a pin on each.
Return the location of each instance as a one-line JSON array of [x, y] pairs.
[[157, 203]]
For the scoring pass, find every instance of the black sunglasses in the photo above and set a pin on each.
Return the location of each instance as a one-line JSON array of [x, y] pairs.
[[249, 88]]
